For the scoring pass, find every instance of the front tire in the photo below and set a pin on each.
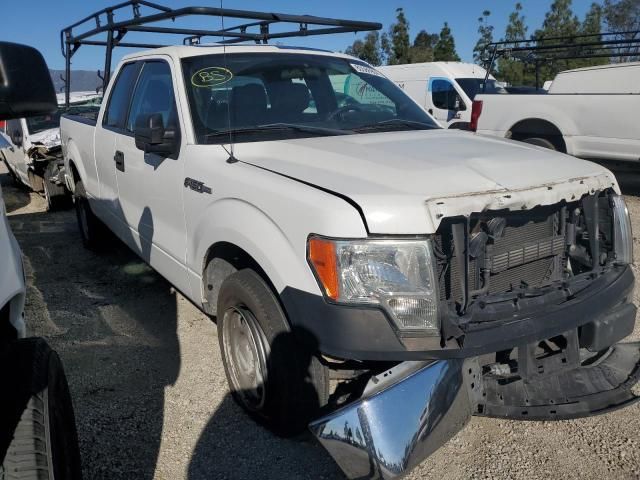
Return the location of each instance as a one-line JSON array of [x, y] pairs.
[[273, 371], [37, 431]]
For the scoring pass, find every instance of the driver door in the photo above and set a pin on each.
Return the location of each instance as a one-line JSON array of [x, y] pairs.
[[150, 185]]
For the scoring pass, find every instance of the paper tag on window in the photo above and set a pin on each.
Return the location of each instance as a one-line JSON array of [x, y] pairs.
[[364, 69]]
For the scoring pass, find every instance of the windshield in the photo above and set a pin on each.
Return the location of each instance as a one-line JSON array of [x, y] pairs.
[[473, 86], [273, 96], [41, 123]]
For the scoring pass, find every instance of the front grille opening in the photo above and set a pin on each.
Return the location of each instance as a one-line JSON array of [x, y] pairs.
[[519, 251]]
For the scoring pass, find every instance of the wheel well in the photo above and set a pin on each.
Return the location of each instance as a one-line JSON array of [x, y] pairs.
[[222, 260], [536, 127], [74, 172]]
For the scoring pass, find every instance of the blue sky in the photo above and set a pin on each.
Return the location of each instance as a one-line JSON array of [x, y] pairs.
[[38, 22]]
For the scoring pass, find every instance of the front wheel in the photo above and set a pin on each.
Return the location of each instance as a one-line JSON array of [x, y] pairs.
[[273, 371], [37, 425]]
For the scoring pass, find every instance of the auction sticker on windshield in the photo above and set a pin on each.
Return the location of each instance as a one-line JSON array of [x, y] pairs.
[[211, 77]]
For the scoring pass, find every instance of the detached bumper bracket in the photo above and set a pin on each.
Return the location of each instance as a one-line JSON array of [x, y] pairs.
[[603, 386]]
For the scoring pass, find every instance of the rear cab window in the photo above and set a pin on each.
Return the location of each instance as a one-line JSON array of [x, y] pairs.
[[115, 114]]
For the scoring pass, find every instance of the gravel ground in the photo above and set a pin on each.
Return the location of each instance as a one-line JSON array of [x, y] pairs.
[[151, 398]]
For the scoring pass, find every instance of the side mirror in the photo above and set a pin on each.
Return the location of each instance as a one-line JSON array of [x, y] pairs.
[[151, 136], [460, 105], [26, 88]]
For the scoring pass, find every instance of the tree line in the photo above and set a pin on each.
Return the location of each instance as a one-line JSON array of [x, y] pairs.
[[395, 47]]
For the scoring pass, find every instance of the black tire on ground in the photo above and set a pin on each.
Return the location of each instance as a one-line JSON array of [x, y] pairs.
[[38, 438], [296, 383], [92, 230], [541, 142], [54, 194]]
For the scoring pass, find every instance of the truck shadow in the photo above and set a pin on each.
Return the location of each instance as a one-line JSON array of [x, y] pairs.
[[232, 445], [113, 321]]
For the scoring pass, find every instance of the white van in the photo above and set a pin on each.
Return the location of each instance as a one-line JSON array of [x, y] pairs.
[[445, 89]]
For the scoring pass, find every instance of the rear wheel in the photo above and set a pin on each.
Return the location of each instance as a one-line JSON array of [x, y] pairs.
[[37, 426], [540, 142], [54, 194], [92, 230], [273, 371]]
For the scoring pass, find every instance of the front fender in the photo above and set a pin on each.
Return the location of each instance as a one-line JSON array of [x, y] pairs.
[[246, 226]]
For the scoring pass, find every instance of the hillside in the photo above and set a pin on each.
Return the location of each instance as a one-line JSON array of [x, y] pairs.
[[81, 80]]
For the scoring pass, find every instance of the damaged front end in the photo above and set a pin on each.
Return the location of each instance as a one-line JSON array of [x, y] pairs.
[[533, 304]]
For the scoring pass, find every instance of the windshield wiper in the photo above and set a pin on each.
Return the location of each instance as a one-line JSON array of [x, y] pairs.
[[395, 122], [278, 126]]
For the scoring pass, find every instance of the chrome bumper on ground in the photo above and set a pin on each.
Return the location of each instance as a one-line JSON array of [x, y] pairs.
[[404, 415]]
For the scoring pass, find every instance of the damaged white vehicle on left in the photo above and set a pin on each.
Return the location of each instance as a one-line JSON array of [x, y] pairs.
[[34, 156]]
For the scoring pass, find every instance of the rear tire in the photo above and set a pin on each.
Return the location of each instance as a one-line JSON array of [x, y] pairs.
[[37, 426], [92, 230], [54, 194], [540, 142], [273, 371]]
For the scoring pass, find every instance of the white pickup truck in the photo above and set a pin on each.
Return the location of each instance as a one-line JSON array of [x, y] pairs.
[[590, 113], [444, 274]]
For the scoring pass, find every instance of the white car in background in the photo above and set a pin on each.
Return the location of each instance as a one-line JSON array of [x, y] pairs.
[[590, 113], [445, 89]]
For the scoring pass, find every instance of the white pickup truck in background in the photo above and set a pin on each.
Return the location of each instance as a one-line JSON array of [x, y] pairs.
[[590, 113], [444, 89]]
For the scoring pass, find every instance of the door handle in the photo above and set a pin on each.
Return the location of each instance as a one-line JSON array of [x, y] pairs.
[[119, 159]]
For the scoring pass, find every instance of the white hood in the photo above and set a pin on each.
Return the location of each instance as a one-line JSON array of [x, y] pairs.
[[49, 138], [405, 182]]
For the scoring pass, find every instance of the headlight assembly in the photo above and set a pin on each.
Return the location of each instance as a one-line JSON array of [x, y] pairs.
[[622, 236], [397, 275]]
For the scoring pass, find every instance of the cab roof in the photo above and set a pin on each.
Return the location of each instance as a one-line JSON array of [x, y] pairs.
[[185, 51]]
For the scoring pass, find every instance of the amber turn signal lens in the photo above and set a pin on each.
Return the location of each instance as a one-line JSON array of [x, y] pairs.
[[322, 254]]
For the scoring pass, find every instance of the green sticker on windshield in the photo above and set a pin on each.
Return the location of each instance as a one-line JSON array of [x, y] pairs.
[[211, 77]]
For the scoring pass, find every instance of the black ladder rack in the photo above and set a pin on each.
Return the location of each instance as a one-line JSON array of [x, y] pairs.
[[538, 51], [257, 29]]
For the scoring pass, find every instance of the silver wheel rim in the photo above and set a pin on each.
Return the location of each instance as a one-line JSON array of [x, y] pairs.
[[246, 354]]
